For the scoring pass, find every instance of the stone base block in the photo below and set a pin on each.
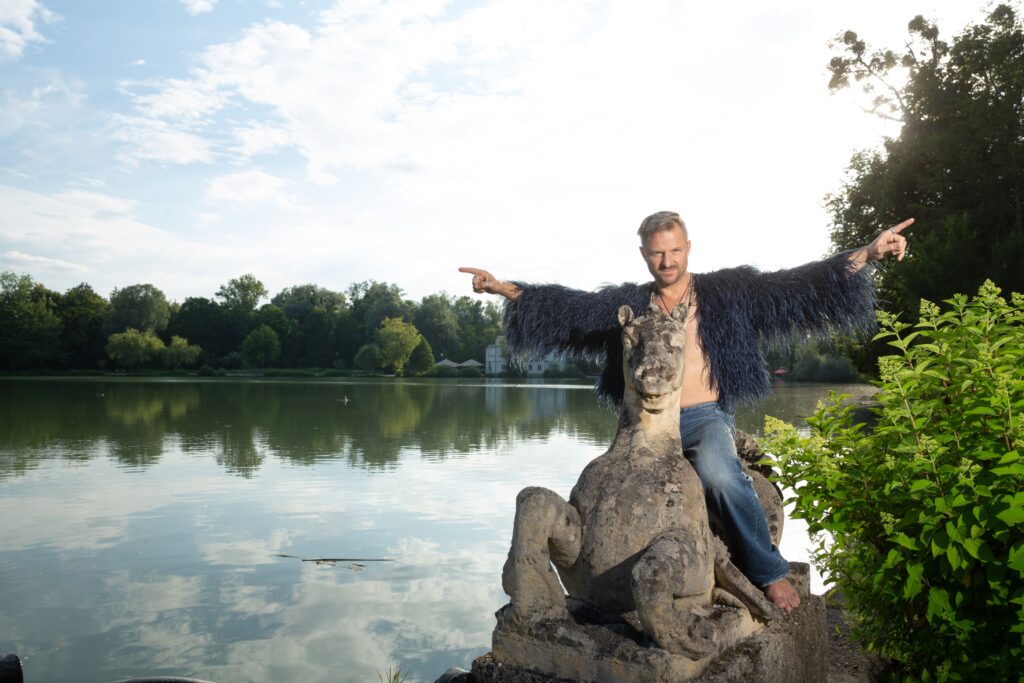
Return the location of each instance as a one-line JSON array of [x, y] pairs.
[[603, 648]]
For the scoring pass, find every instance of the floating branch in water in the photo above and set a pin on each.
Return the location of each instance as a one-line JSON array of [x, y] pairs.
[[331, 561]]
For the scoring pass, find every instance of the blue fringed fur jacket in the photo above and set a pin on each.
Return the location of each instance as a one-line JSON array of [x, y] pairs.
[[739, 311]]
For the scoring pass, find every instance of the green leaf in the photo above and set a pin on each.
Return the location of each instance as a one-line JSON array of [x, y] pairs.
[[921, 484], [1015, 559], [1014, 470], [913, 584], [978, 549], [938, 603], [953, 555], [980, 410], [1011, 516], [905, 541], [1008, 458]]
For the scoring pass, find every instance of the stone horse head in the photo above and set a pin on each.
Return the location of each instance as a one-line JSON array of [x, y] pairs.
[[652, 367]]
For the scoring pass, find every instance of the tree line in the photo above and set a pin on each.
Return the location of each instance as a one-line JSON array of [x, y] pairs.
[[371, 326]]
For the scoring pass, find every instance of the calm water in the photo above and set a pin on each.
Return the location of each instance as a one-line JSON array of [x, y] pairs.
[[141, 520]]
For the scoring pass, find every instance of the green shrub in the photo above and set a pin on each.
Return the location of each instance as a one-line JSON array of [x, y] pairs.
[[813, 365], [421, 361], [207, 371], [926, 511], [367, 358], [471, 373], [232, 361], [570, 372], [288, 372], [336, 372], [444, 371]]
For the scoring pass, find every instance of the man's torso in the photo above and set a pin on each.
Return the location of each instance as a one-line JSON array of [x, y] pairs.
[[695, 372]]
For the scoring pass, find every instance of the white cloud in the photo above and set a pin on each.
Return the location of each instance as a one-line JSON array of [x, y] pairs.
[[18, 26], [175, 98], [260, 138], [195, 7], [249, 187], [15, 260], [100, 233], [155, 140], [38, 105]]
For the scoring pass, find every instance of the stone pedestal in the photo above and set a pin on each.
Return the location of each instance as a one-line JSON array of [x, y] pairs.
[[601, 647]]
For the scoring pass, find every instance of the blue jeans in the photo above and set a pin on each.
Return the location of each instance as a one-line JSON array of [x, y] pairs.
[[708, 436]]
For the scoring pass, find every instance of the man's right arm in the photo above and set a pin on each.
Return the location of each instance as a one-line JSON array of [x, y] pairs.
[[542, 318], [483, 281]]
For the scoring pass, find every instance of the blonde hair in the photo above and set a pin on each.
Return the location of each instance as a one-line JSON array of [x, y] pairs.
[[656, 222]]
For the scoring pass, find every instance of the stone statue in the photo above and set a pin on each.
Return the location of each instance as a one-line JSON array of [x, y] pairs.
[[634, 539]]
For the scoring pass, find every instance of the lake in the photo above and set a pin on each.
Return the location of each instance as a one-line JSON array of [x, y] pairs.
[[143, 520]]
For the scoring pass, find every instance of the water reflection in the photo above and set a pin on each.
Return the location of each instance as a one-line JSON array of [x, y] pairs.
[[148, 515], [241, 423]]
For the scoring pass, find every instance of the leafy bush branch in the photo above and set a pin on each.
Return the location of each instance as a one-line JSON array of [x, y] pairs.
[[925, 511]]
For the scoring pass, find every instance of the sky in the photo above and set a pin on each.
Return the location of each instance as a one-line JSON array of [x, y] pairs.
[[182, 143]]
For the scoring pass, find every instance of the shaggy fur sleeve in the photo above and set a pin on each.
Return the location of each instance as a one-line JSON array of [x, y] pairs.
[[738, 308], [549, 318], [819, 298]]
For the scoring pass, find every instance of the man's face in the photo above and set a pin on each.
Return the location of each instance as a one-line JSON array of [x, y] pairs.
[[666, 253]]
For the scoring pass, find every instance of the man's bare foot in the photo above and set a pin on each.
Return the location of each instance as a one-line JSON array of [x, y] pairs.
[[782, 594]]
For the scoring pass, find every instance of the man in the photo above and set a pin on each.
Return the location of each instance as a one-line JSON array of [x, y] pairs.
[[729, 312]]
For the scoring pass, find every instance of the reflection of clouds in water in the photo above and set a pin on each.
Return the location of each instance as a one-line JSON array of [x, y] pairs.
[[336, 626], [329, 625], [91, 507], [247, 552], [142, 597], [154, 621]]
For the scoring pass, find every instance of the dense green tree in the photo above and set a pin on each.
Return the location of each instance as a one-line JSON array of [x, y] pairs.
[[261, 346], [299, 301], [396, 340], [421, 361], [134, 348], [367, 358], [275, 318], [203, 322], [82, 311], [373, 301], [436, 320], [242, 294], [141, 307], [479, 324], [238, 299], [957, 164], [180, 353], [348, 337], [317, 338], [29, 325]]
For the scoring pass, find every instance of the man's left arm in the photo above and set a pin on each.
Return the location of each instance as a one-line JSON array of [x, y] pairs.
[[832, 295]]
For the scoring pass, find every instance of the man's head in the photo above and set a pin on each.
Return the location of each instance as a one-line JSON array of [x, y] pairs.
[[665, 247]]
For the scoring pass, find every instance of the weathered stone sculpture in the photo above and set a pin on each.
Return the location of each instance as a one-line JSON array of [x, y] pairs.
[[633, 542]]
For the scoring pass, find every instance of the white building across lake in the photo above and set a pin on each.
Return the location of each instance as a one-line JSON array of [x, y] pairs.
[[497, 360]]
